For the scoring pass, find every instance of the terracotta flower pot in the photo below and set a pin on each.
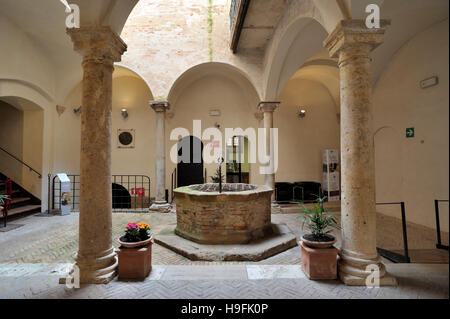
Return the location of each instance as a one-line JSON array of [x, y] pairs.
[[135, 259], [318, 244], [319, 259], [136, 244]]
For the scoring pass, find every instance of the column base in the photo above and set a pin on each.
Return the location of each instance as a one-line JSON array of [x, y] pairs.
[[97, 270], [274, 204], [160, 207], [356, 271]]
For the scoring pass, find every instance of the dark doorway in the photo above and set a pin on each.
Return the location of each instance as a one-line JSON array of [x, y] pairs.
[[120, 196], [190, 161]]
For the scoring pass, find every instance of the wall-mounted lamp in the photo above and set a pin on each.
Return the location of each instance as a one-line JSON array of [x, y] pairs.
[[302, 113], [124, 113], [77, 111]]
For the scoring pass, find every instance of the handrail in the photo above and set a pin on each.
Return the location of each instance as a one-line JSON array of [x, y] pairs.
[[388, 254], [439, 244], [21, 162]]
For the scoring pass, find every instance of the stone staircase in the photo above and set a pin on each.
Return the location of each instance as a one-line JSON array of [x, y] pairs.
[[22, 202]]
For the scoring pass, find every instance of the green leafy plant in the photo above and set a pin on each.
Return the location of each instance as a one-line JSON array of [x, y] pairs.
[[218, 177], [137, 232], [319, 222], [2, 199]]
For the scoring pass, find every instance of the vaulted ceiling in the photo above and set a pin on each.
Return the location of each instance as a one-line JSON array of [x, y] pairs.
[[44, 22]]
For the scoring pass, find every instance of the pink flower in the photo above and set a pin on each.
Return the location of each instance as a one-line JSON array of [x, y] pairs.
[[132, 225]]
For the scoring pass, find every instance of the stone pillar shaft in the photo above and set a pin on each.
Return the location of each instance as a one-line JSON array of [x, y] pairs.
[[352, 43], [268, 108], [160, 204], [100, 48], [357, 154]]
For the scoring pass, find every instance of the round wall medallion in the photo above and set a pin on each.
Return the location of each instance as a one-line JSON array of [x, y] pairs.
[[125, 138]]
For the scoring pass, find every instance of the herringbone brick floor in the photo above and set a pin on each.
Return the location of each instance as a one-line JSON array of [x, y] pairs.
[[415, 281], [55, 239]]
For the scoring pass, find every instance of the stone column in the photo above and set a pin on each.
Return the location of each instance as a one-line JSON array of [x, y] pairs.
[[352, 43], [160, 204], [268, 108], [100, 47]]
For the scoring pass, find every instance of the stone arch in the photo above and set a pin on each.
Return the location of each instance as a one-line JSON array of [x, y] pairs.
[[123, 70], [388, 158], [25, 90], [325, 74], [34, 114], [211, 68], [301, 39], [213, 86]]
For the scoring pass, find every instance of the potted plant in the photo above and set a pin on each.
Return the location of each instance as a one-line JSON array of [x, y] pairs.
[[135, 251], [218, 177], [2, 201], [319, 257]]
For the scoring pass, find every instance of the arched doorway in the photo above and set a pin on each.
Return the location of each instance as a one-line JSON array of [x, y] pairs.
[[237, 165], [120, 197], [190, 161]]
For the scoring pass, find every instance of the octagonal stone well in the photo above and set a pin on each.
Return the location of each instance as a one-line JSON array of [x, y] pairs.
[[238, 215]]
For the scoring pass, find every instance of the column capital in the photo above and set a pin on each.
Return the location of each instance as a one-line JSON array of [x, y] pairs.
[[354, 32], [100, 44], [160, 106], [268, 106]]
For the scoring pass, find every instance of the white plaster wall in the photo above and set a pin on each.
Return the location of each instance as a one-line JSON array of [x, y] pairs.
[[26, 60], [414, 170], [21, 134], [11, 139], [128, 92], [24, 95], [301, 141], [29, 73], [236, 103], [33, 130]]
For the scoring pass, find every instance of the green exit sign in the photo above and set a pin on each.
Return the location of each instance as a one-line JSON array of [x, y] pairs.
[[410, 132]]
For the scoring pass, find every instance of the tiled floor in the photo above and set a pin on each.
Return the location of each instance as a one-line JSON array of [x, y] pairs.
[[219, 281], [55, 239], [34, 257]]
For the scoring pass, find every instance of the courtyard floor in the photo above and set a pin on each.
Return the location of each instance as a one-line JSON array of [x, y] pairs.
[[33, 258]]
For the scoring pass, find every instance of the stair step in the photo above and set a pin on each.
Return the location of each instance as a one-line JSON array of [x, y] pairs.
[[23, 209], [14, 191], [17, 200]]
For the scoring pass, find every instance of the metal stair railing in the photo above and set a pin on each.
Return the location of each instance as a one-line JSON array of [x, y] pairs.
[[439, 244], [20, 161], [392, 256]]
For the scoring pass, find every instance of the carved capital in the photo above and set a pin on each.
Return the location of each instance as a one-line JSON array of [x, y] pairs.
[[160, 106], [354, 33], [97, 44], [268, 106]]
